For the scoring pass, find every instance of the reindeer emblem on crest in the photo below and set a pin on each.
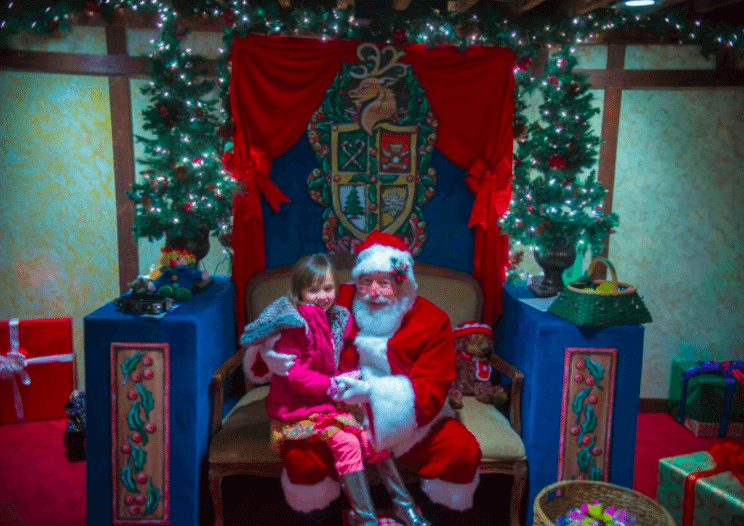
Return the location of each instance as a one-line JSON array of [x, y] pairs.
[[373, 136]]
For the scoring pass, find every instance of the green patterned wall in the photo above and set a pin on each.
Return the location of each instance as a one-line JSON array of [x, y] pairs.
[[678, 192]]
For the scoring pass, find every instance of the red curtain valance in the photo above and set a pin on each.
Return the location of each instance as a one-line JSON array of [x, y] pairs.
[[278, 82]]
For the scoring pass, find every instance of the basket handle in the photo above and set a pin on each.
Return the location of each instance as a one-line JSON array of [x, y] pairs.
[[609, 265]]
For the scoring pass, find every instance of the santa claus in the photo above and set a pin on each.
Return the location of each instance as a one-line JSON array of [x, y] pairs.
[[404, 347]]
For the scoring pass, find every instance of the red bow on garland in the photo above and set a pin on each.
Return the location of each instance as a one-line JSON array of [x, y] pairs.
[[254, 172], [492, 188]]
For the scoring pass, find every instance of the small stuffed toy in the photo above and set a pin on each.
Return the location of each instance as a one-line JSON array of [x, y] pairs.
[[177, 274], [473, 344]]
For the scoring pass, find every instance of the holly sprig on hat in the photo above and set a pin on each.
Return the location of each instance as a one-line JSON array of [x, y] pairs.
[[400, 270]]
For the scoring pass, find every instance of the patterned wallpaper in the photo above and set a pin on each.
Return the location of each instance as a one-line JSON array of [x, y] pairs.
[[678, 191]]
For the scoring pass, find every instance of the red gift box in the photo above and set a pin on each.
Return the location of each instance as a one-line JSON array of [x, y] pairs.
[[36, 358]]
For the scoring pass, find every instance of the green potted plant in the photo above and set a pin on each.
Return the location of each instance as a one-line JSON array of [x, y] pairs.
[[556, 206], [184, 193]]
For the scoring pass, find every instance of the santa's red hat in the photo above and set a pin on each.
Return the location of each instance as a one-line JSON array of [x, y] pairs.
[[472, 327], [383, 252]]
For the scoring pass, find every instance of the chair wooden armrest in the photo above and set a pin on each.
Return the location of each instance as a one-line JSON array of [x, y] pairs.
[[515, 398], [219, 378]]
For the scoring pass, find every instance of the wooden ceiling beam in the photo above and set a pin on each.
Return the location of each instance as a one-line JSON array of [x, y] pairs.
[[522, 6]]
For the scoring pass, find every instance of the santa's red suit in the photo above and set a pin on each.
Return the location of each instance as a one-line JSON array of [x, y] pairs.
[[409, 374]]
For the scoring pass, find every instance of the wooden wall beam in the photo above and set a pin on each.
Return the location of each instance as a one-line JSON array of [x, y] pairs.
[[608, 148], [122, 137], [663, 80], [74, 63]]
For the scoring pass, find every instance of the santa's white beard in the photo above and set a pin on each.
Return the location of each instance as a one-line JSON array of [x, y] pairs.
[[382, 321]]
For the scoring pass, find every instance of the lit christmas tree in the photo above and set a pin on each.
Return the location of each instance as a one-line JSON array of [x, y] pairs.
[[184, 192], [555, 201]]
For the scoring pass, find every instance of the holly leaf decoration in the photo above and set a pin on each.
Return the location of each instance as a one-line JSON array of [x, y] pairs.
[[148, 402], [139, 456], [130, 364], [589, 424], [153, 498], [585, 455], [125, 476], [135, 422], [578, 402], [596, 370]]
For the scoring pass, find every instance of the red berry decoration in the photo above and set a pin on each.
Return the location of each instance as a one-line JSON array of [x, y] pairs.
[[132, 395], [596, 451], [136, 377], [141, 478], [578, 378], [140, 499], [150, 427], [575, 430], [592, 399], [557, 162], [590, 381], [586, 440], [136, 438], [147, 360], [134, 510], [126, 449], [147, 373], [128, 500], [580, 366]]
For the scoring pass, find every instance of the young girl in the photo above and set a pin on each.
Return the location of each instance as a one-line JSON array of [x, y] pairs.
[[301, 404]]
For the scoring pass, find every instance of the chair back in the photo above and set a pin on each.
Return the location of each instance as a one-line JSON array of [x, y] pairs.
[[456, 293]]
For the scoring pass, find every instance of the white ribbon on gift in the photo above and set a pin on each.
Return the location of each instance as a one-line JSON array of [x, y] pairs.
[[13, 366]]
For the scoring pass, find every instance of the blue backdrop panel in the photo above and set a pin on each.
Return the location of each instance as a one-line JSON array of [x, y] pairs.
[[201, 334], [296, 229], [535, 342]]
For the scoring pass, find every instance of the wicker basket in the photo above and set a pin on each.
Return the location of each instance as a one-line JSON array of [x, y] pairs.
[[549, 506]]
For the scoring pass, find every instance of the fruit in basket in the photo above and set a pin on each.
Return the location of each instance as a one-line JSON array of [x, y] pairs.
[[605, 286]]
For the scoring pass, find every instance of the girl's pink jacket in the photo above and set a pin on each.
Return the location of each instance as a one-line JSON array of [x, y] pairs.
[[304, 390]]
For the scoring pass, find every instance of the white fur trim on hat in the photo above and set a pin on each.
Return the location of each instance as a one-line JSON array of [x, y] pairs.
[[379, 258], [472, 327], [451, 494], [309, 497]]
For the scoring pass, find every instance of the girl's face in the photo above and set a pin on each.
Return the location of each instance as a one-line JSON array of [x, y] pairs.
[[322, 294]]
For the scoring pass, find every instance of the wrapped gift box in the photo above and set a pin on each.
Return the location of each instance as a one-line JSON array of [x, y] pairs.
[[711, 429], [705, 400], [715, 499], [47, 346]]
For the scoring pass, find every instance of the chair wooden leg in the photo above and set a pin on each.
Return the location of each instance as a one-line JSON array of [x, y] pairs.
[[517, 493], [215, 489]]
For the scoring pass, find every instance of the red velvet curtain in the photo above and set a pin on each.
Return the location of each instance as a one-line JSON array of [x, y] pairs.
[[278, 82]]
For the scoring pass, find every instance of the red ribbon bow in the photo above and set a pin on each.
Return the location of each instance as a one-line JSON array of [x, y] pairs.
[[254, 172], [492, 188], [729, 456]]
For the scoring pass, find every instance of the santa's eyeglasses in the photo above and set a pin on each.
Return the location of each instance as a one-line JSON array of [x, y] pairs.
[[366, 283]]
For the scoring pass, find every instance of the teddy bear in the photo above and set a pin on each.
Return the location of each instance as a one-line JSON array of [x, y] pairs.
[[473, 344]]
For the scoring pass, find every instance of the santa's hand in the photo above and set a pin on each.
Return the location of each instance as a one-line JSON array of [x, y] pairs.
[[352, 390], [277, 363]]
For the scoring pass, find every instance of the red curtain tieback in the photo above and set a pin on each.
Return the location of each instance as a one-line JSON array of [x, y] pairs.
[[254, 172], [492, 188]]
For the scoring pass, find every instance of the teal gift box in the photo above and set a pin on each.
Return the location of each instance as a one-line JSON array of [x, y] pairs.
[[716, 499], [705, 401]]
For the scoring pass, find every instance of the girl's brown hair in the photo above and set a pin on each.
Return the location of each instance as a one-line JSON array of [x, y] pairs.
[[308, 271]]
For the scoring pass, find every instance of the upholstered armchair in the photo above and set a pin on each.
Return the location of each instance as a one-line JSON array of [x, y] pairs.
[[240, 440]]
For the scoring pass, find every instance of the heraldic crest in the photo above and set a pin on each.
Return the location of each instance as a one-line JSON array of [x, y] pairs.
[[373, 137]]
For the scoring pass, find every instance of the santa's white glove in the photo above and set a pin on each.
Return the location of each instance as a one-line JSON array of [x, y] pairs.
[[277, 363], [352, 390]]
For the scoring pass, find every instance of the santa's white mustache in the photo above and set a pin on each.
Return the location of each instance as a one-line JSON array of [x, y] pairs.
[[380, 300]]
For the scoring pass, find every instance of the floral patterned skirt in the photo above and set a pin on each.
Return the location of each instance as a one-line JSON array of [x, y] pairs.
[[317, 426]]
